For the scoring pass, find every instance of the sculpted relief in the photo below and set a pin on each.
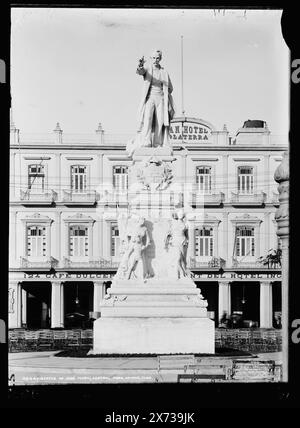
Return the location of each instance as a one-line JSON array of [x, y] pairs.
[[139, 249], [134, 239]]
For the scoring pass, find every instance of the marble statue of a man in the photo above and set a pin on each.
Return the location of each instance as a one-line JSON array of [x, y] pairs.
[[157, 107]]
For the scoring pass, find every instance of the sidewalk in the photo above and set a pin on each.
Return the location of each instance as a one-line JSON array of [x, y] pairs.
[[38, 368]]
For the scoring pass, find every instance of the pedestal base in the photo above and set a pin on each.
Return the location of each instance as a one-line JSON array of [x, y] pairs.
[[153, 336]]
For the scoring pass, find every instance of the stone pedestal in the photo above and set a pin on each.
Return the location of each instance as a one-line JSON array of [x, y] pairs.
[[153, 306], [155, 316]]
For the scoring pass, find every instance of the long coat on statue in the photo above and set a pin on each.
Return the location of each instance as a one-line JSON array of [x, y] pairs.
[[169, 110]]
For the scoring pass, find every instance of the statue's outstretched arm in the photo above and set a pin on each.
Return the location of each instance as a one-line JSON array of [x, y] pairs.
[[140, 69]]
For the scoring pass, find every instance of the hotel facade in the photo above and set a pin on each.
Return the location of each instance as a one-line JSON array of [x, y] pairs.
[[65, 195]]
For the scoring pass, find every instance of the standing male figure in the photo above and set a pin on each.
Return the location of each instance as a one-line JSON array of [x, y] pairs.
[[157, 106]]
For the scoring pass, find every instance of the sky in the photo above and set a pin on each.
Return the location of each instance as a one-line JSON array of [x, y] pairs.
[[77, 66]]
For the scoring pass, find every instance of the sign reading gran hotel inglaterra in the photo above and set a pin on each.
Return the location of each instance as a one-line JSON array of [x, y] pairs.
[[189, 131]]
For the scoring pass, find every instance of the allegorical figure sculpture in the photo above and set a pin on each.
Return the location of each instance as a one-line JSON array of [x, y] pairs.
[[156, 107], [177, 237], [135, 239]]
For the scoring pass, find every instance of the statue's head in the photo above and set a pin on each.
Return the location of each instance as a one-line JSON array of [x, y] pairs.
[[141, 221], [156, 56], [180, 214]]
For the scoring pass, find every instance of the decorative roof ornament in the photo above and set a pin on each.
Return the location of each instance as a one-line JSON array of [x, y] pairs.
[[99, 129], [58, 128]]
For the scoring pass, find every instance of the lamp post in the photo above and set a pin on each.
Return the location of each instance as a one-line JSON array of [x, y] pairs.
[[282, 177]]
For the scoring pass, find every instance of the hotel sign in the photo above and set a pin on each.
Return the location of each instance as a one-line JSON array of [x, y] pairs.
[[236, 276], [68, 276], [189, 132]]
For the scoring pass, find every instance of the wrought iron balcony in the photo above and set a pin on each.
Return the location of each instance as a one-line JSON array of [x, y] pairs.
[[255, 199], [94, 263], [215, 262], [114, 197], [246, 263], [38, 198], [198, 198], [39, 264], [88, 197]]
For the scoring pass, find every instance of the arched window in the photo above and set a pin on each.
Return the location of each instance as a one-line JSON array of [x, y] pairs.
[[245, 243], [78, 178], [36, 178], [36, 241], [120, 177], [204, 242], [245, 180], [203, 179], [79, 242]]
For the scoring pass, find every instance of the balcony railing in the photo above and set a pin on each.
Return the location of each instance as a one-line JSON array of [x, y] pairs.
[[248, 199], [215, 262], [88, 197], [48, 263], [197, 198], [246, 263], [114, 197], [46, 197], [95, 263]]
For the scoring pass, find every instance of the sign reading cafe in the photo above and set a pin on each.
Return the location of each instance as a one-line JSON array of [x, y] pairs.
[[189, 131]]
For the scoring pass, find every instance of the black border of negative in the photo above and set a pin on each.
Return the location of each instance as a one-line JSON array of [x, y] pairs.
[[155, 397]]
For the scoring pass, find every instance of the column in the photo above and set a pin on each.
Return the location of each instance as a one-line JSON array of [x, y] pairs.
[[48, 240], [225, 255], [25, 238], [100, 234], [216, 240], [257, 241], [224, 299], [267, 244], [57, 305], [24, 308], [66, 237], [14, 304], [99, 292], [57, 180], [266, 185], [226, 178], [90, 241], [58, 236], [266, 305], [106, 238]]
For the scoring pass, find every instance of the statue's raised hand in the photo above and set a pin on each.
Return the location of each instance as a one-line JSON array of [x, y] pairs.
[[141, 62]]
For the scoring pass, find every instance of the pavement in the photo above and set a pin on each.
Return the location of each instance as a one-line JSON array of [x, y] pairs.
[[44, 368]]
